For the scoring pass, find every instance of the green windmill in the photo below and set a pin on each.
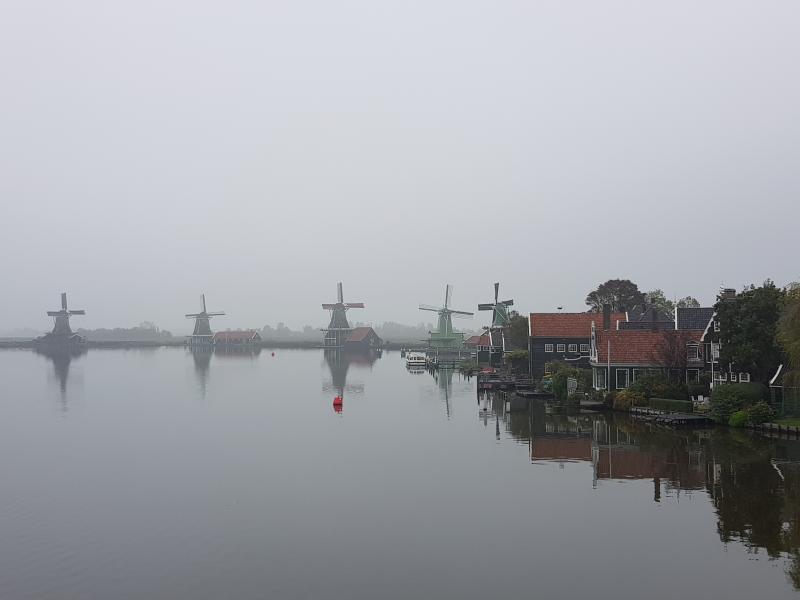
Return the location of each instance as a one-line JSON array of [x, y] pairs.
[[501, 319], [445, 337]]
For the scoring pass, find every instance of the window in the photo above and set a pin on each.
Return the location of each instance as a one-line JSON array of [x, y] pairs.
[[744, 377], [561, 348], [547, 368], [714, 352], [716, 326], [722, 376], [733, 377], [548, 347], [693, 352], [622, 379], [599, 379], [692, 375], [584, 348], [573, 347], [634, 375]]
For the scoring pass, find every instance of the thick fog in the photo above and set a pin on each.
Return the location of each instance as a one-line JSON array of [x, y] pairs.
[[262, 151]]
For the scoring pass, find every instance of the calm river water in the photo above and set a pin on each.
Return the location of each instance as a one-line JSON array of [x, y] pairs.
[[163, 474]]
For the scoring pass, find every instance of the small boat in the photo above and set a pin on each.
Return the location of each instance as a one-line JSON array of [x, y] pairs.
[[415, 360]]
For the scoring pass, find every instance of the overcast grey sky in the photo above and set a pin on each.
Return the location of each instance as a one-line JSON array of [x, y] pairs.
[[262, 151]]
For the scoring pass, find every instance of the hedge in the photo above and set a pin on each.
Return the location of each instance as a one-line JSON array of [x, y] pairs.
[[668, 405]]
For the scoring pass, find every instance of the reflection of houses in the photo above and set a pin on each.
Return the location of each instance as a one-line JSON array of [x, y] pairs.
[[564, 337], [246, 337]]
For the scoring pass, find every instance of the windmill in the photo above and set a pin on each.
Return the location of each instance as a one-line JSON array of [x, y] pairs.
[[500, 320], [202, 333], [62, 332], [445, 337], [339, 329]]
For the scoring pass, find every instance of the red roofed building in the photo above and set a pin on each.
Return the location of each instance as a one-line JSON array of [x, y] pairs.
[[362, 338], [564, 337], [477, 340], [626, 354], [237, 338]]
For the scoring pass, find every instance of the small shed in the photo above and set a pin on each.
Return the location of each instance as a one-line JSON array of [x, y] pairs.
[[363, 338], [247, 337]]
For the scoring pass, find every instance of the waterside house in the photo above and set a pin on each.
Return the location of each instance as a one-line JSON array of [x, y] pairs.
[[362, 338], [619, 357], [565, 337]]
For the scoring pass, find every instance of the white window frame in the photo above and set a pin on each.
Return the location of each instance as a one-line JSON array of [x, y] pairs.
[[634, 375], [547, 368], [584, 348], [600, 376], [733, 378], [716, 326], [723, 376], [696, 378], [693, 349], [744, 377], [548, 347], [573, 348], [561, 347], [627, 379]]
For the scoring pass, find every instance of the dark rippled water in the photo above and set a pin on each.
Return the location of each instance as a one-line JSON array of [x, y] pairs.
[[162, 474]]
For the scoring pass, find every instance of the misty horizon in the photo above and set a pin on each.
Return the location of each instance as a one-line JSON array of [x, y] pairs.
[[260, 154]]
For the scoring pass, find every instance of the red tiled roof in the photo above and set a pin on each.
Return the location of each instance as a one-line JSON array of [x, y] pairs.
[[235, 336], [477, 340], [359, 334], [569, 325], [641, 347]]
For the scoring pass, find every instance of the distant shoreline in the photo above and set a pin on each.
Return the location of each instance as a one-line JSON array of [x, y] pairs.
[[179, 343]]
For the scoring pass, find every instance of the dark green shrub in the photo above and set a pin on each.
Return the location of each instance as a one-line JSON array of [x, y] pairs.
[[659, 386], [669, 405], [726, 399], [760, 412], [739, 418], [625, 399]]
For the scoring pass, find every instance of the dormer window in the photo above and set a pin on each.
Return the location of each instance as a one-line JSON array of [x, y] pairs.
[[693, 352]]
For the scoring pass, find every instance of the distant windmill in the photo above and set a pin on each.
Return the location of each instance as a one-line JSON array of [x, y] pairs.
[[501, 318], [61, 317], [202, 333], [445, 336], [339, 329], [62, 334]]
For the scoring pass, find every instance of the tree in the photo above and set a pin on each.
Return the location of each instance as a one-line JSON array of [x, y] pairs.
[[748, 326], [687, 302], [518, 332], [789, 332], [621, 294], [657, 299]]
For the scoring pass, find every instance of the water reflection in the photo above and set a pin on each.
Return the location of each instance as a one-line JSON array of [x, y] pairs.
[[61, 357], [339, 362], [201, 356], [752, 481]]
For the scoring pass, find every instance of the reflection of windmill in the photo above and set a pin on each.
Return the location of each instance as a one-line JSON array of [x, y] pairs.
[[202, 328], [444, 377], [339, 363], [61, 357], [339, 329], [62, 332], [444, 336], [202, 361], [501, 318]]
